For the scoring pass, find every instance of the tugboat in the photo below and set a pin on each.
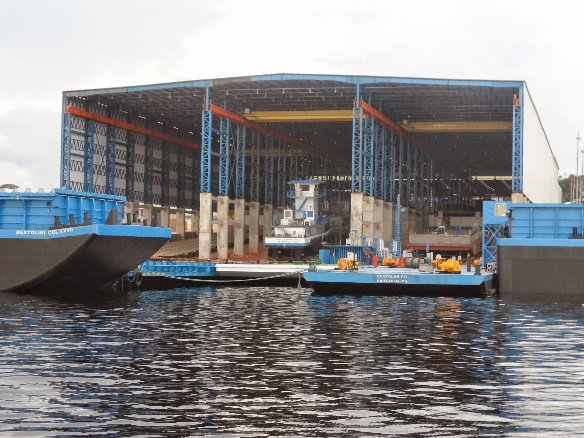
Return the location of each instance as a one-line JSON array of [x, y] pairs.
[[303, 229]]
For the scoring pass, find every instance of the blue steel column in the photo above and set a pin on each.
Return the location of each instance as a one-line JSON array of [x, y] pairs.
[[148, 169], [368, 125], [240, 162], [431, 185], [88, 155], [224, 157], [180, 183], [415, 177], [66, 149], [206, 136], [165, 176], [387, 165], [409, 173], [130, 160], [195, 200], [110, 163], [517, 175], [255, 166], [281, 176], [398, 225], [356, 162], [422, 178], [379, 148], [401, 165], [294, 162], [269, 177], [393, 158]]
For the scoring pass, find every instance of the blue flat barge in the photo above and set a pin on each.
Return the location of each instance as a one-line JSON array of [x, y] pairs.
[[62, 240], [383, 280]]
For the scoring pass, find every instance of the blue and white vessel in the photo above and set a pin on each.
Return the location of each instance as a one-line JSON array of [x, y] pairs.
[[67, 240], [303, 228], [381, 280]]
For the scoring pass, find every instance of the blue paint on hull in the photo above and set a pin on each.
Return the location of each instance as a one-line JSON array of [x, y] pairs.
[[400, 281]]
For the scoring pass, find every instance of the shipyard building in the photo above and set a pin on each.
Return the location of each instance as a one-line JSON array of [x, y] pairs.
[[213, 155]]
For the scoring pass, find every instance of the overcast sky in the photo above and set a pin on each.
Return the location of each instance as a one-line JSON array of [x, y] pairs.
[[47, 47]]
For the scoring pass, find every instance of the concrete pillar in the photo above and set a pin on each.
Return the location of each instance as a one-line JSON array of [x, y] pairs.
[[148, 214], [131, 209], [239, 227], [388, 221], [195, 222], [165, 216], [357, 214], [180, 223], [223, 227], [205, 225], [378, 230], [368, 222], [268, 211], [254, 227], [418, 222], [518, 198]]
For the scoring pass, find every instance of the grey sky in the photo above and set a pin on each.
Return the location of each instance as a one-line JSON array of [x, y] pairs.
[[47, 47]]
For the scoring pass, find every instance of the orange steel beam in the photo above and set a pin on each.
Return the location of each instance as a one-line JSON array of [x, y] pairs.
[[128, 126], [374, 113], [268, 131]]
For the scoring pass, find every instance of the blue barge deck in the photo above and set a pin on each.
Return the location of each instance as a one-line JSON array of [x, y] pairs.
[[401, 281]]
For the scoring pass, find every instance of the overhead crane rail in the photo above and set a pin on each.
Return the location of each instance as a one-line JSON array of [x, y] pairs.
[[267, 131], [315, 116]]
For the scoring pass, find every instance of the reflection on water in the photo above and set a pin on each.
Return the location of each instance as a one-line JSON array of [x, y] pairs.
[[278, 361]]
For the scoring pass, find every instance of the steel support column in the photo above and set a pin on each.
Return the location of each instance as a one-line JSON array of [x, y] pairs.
[[180, 183], [379, 148], [393, 158], [110, 160], [269, 169], [255, 166], [195, 200], [66, 151], [130, 161], [281, 175], [357, 147], [401, 166], [165, 176], [490, 235], [206, 144], [240, 146], [431, 185], [148, 169], [88, 155], [517, 174], [368, 130], [224, 155], [415, 178], [408, 162]]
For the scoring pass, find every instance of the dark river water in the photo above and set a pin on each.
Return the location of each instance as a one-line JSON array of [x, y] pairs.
[[264, 362]]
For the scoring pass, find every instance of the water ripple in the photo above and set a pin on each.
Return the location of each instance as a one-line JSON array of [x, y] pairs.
[[280, 362]]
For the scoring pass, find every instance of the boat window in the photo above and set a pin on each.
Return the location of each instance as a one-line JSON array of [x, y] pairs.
[[500, 209], [305, 187]]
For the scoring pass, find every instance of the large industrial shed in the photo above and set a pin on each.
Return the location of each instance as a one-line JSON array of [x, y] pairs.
[[208, 146]]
